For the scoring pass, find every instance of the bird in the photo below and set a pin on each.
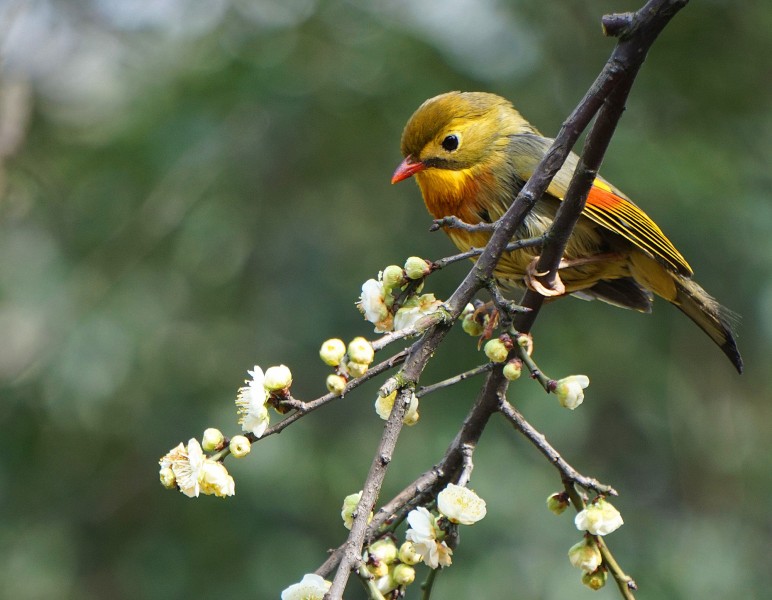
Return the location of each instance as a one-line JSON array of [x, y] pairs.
[[472, 152]]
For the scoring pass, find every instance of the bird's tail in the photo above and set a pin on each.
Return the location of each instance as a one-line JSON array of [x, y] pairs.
[[712, 318]]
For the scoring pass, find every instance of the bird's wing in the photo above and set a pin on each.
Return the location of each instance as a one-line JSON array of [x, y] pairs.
[[606, 205]]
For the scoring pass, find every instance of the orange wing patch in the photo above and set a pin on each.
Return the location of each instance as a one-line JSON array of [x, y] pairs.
[[611, 210]]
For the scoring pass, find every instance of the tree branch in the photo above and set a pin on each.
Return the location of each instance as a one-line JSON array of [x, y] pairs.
[[567, 472], [613, 85]]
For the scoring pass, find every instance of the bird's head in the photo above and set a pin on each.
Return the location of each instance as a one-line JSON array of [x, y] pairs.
[[457, 131]]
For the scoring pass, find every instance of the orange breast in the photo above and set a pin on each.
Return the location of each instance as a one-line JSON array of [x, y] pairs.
[[453, 193]]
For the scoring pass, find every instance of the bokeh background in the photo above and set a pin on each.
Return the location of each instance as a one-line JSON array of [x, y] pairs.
[[192, 187]]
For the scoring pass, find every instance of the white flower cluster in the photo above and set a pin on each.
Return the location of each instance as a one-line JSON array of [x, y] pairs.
[[458, 505], [190, 470], [376, 302], [252, 399], [599, 518]]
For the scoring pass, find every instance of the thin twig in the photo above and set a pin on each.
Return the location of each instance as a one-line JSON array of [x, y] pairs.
[[453, 222], [352, 548], [534, 371], [625, 583], [418, 328], [426, 586], [428, 389], [542, 445], [473, 252]]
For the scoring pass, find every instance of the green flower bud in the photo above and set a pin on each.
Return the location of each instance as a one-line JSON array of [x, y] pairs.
[[356, 369], [361, 351], [168, 480], [416, 267], [470, 325], [336, 384], [596, 579], [403, 574], [558, 502], [240, 446], [496, 351], [332, 352], [393, 277], [585, 555], [277, 378], [384, 550], [212, 440], [378, 569], [408, 554], [513, 369]]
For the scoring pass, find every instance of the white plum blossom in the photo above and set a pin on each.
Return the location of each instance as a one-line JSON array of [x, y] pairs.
[[312, 587], [415, 308], [372, 304], [461, 505], [569, 390], [186, 463], [253, 413], [214, 479], [600, 518], [196, 474], [423, 534]]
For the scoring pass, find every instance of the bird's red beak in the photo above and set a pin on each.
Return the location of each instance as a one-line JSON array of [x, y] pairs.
[[407, 168]]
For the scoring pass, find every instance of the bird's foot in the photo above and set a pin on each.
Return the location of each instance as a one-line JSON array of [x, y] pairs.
[[533, 282]]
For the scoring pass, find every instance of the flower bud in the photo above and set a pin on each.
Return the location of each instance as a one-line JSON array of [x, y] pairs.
[[469, 324], [403, 574], [277, 378], [585, 555], [378, 569], [384, 550], [496, 351], [596, 579], [513, 369], [361, 351], [393, 277], [569, 390], [558, 502], [212, 440], [168, 480], [408, 554], [240, 446], [332, 352], [416, 267], [350, 504], [356, 369], [336, 384]]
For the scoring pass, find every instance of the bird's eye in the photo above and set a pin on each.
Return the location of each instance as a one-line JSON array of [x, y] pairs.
[[450, 143]]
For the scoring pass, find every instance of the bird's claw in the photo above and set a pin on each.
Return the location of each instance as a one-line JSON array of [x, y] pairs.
[[533, 281]]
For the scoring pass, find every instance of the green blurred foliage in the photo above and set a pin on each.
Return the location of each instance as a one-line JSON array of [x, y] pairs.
[[204, 185]]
